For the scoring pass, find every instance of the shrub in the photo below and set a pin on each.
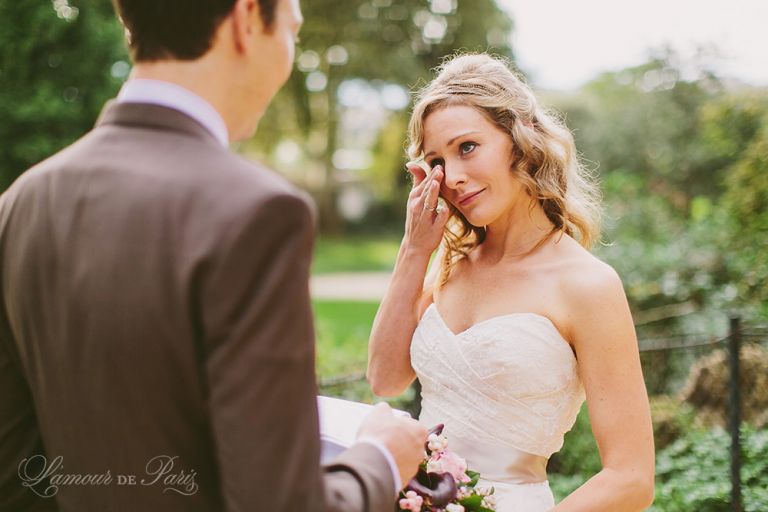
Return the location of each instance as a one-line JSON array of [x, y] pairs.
[[579, 455], [671, 419], [693, 473]]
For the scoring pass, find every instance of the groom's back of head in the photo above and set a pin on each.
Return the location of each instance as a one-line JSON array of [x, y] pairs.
[[178, 29]]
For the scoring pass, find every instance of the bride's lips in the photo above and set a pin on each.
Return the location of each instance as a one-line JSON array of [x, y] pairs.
[[467, 198]]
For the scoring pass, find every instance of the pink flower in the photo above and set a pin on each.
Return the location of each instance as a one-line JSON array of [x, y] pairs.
[[412, 502], [449, 462], [456, 466]]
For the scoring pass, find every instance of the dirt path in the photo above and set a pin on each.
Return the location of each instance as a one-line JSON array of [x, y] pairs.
[[360, 286]]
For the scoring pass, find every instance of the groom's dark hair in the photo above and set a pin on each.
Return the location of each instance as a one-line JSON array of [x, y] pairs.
[[177, 29]]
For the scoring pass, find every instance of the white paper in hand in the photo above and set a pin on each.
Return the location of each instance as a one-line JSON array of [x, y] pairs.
[[339, 423]]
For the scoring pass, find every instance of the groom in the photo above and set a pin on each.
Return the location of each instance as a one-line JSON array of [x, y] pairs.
[[156, 341]]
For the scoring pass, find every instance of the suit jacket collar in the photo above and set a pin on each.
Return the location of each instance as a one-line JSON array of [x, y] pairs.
[[147, 115]]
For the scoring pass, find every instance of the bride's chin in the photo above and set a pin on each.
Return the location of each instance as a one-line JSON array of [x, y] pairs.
[[476, 220], [476, 215]]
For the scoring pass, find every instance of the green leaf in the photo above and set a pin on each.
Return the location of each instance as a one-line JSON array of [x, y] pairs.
[[474, 478], [471, 501]]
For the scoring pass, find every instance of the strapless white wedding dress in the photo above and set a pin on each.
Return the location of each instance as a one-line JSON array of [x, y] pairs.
[[507, 390]]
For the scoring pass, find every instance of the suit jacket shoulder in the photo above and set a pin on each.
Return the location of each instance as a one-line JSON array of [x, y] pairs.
[[155, 283]]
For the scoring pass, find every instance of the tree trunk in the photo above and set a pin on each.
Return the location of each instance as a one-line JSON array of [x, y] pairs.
[[330, 221]]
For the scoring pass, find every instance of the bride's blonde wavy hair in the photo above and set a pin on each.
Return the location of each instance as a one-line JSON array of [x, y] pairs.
[[544, 154]]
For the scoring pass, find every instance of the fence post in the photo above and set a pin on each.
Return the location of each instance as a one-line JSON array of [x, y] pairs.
[[734, 412]]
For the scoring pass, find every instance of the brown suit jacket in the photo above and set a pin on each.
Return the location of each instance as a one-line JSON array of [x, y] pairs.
[[155, 304]]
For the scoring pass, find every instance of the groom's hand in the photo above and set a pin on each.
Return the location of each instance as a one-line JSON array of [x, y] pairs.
[[404, 438]]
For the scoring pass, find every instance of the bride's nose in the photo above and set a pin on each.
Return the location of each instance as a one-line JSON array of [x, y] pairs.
[[455, 175]]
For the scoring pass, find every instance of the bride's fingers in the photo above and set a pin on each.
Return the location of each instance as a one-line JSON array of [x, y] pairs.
[[418, 200], [435, 175], [443, 213], [431, 193], [417, 172], [418, 193], [423, 197]]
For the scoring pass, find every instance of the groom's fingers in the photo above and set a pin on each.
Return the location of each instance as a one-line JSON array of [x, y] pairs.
[[383, 407], [403, 437], [381, 412]]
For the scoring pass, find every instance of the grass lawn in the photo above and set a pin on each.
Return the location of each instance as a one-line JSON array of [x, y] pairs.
[[343, 327], [367, 254], [342, 336], [342, 349]]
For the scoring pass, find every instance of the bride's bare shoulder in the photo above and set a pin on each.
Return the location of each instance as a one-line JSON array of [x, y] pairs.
[[586, 279], [589, 291]]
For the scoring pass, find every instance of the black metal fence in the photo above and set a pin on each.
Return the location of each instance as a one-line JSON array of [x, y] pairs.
[[694, 347], [734, 415]]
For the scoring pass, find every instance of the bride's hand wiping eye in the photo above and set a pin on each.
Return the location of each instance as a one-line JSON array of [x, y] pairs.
[[426, 217]]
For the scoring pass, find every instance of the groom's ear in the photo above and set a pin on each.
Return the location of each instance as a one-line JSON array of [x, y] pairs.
[[246, 23]]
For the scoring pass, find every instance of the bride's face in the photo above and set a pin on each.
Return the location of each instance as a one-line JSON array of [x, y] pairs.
[[477, 158]]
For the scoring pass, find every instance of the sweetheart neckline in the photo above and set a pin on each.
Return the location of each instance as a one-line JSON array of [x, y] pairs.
[[498, 317]]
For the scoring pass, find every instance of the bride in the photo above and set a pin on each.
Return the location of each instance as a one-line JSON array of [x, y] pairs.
[[516, 323]]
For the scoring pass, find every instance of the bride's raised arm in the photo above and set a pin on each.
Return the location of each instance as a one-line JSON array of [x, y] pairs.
[[389, 364]]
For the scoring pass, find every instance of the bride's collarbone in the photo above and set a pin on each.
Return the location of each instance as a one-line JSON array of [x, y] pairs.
[[467, 301], [460, 318], [476, 292]]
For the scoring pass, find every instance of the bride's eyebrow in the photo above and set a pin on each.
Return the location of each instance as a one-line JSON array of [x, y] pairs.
[[454, 139]]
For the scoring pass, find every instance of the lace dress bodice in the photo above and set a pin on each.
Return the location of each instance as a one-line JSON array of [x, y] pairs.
[[507, 390]]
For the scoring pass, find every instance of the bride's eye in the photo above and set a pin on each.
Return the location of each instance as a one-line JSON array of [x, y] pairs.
[[435, 162], [467, 147]]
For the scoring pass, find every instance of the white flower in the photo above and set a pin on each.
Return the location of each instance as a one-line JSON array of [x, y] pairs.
[[463, 492], [434, 466], [454, 507], [437, 443], [489, 501]]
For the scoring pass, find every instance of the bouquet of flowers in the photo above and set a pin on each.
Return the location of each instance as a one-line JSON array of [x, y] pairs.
[[443, 483]]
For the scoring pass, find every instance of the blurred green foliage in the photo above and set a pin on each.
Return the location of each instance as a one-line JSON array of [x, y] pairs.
[[682, 161], [746, 204], [57, 60], [358, 254], [692, 464], [342, 329], [693, 472], [579, 455]]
